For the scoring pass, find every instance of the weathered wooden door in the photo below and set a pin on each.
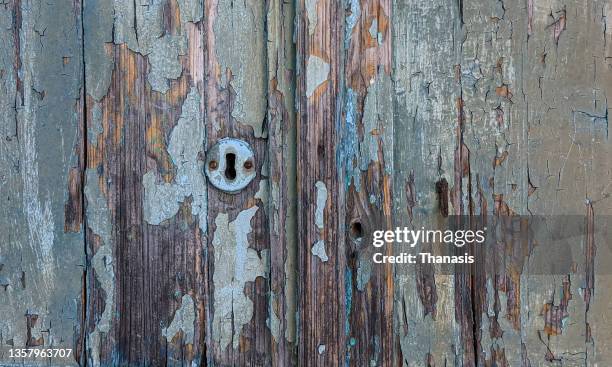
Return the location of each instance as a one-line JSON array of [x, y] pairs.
[[361, 116]]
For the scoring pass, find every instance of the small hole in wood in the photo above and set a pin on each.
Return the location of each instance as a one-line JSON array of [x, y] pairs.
[[230, 167], [356, 230]]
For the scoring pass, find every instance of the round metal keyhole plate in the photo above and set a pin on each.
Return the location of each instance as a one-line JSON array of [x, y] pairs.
[[230, 165]]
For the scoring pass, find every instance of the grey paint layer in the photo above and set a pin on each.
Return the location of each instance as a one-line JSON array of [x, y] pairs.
[[239, 46], [317, 72], [41, 266], [139, 25], [318, 250], [162, 200], [321, 203], [184, 319], [235, 265], [98, 15], [99, 221]]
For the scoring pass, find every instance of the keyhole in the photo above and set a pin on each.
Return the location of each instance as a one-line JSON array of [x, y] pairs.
[[230, 167]]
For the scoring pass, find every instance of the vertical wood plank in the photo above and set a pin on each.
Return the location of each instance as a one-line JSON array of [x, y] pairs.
[[496, 129], [282, 184], [526, 316], [433, 317], [523, 98], [559, 58], [365, 153], [490, 122], [41, 241], [145, 191], [238, 243], [322, 252]]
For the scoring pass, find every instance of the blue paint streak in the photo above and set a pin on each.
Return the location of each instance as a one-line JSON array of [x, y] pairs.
[[348, 291], [348, 150]]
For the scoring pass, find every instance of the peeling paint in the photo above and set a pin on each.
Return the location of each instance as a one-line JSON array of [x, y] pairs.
[[40, 83], [164, 61], [36, 209], [235, 265], [377, 117], [184, 320], [318, 249], [321, 348], [239, 39], [139, 25], [364, 271], [103, 267], [95, 128], [98, 214], [262, 193], [162, 201], [99, 221], [373, 29], [317, 72], [321, 203], [374, 33], [265, 168], [348, 303], [311, 11], [273, 321], [98, 62], [191, 10], [351, 21], [275, 204], [349, 146], [290, 261]]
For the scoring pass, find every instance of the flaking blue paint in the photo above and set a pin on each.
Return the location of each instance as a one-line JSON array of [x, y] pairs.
[[351, 20], [348, 150], [348, 291]]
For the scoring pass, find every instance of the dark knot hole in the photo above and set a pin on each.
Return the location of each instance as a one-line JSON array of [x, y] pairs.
[[356, 230]]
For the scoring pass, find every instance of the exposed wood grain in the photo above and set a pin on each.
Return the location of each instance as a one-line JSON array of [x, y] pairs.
[[145, 193], [282, 185], [323, 311], [365, 155]]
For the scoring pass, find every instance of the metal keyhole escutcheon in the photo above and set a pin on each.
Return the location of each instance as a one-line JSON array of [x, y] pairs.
[[230, 165]]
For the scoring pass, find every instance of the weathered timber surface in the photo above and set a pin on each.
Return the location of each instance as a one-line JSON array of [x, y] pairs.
[[238, 244], [365, 161], [426, 113], [144, 192], [504, 108], [42, 258], [321, 245], [282, 184], [363, 115]]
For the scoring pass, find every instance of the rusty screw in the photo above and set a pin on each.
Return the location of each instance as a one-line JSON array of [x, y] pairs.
[[248, 165], [213, 165]]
